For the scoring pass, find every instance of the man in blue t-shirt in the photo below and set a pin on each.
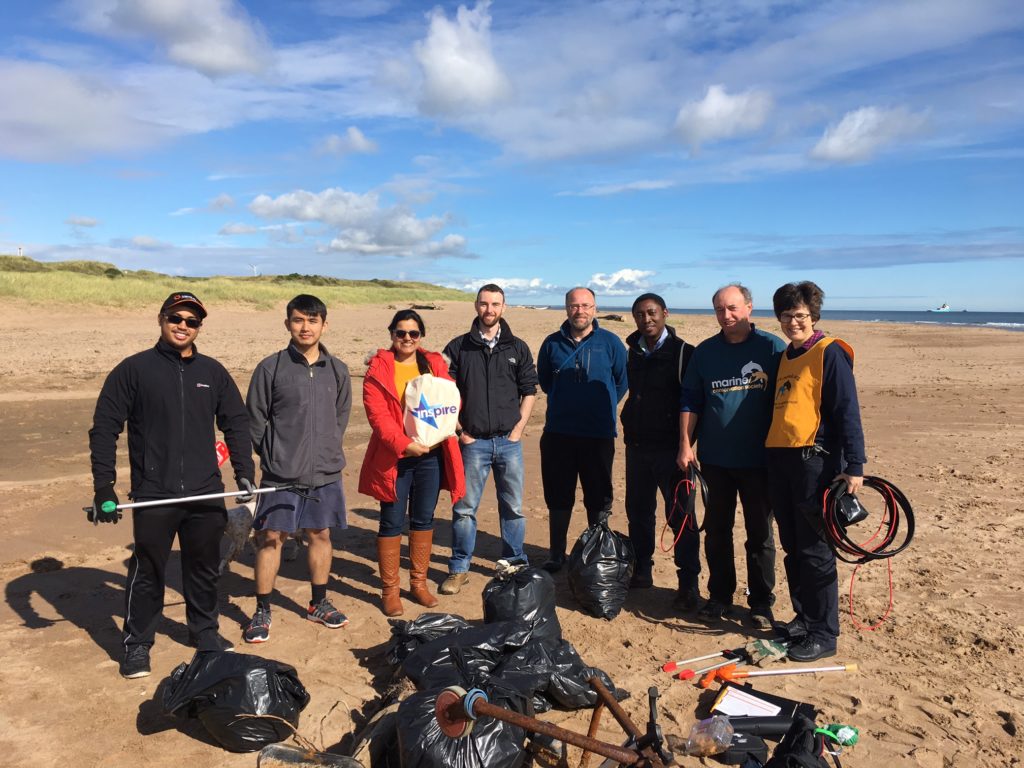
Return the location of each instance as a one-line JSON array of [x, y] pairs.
[[582, 370], [725, 408]]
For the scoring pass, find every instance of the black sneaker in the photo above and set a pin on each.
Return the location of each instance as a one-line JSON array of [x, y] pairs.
[[687, 600], [810, 649], [212, 641], [641, 581], [136, 662], [258, 628], [326, 614], [793, 630], [713, 610], [555, 564]]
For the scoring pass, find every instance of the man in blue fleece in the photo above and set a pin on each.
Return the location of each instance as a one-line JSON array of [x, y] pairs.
[[582, 370]]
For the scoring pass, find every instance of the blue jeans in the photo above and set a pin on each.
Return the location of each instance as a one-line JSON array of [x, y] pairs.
[[479, 458], [417, 488]]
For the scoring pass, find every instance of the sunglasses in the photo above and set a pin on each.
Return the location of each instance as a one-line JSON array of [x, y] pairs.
[[401, 334], [191, 322]]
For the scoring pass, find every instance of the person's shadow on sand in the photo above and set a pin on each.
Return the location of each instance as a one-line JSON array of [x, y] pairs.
[[90, 598]]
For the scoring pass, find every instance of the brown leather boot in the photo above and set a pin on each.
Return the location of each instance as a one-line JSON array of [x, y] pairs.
[[389, 557], [420, 543]]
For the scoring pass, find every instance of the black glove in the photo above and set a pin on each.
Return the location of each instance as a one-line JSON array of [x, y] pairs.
[[245, 484], [104, 506]]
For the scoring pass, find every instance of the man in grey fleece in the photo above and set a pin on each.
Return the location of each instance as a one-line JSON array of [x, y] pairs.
[[299, 402]]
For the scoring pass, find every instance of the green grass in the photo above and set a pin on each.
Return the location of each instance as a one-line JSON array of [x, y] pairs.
[[99, 283]]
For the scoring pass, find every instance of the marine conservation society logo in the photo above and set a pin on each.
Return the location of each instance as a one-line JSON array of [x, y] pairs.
[[752, 376], [429, 414]]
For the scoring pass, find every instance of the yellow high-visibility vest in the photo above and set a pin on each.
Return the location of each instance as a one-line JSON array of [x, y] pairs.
[[796, 415]]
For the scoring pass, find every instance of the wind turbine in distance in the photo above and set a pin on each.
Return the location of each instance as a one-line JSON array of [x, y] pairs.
[[255, 270]]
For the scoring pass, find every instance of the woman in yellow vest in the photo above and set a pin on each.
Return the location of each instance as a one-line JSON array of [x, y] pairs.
[[815, 437]]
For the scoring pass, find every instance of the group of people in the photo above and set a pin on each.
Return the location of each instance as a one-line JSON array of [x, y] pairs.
[[768, 422]]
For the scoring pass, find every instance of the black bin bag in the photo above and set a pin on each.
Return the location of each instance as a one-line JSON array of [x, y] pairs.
[[600, 566], [491, 743], [407, 636], [238, 698], [527, 594], [448, 660]]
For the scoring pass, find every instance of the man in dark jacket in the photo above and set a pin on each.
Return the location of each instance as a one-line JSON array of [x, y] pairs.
[[497, 379], [170, 396], [655, 366], [582, 369], [299, 402]]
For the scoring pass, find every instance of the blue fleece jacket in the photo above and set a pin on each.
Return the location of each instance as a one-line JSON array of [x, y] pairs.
[[583, 381]]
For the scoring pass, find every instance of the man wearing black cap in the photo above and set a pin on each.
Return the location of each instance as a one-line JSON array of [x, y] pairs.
[[170, 396]]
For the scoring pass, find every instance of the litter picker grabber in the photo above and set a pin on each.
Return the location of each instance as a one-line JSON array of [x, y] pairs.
[[90, 512], [730, 672], [754, 652]]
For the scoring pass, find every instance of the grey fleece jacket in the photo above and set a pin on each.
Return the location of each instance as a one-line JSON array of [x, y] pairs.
[[297, 417]]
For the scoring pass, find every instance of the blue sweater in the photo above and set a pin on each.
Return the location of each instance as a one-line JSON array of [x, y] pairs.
[[583, 381], [730, 387]]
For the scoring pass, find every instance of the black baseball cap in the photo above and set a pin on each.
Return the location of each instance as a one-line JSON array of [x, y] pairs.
[[184, 299]]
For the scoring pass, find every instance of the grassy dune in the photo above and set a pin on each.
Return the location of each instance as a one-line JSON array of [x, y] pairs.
[[98, 283]]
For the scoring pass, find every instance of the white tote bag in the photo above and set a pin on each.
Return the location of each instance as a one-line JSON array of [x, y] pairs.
[[431, 409]]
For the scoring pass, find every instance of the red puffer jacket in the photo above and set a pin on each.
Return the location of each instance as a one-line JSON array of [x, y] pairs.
[[384, 411]]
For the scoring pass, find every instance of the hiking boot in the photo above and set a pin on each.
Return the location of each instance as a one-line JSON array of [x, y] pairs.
[[687, 600], [136, 662], [810, 649], [326, 614], [258, 628], [211, 641], [794, 629], [454, 583], [641, 581], [713, 610], [762, 618]]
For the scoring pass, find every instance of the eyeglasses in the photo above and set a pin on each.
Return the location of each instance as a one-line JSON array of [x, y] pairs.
[[788, 317], [191, 322], [401, 334], [574, 307]]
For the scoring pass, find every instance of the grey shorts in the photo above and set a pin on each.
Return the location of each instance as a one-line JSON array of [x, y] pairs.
[[287, 511]]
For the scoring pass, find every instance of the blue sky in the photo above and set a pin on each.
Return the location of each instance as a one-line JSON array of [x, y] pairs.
[[874, 147]]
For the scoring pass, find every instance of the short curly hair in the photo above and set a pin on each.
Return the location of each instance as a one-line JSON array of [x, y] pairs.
[[794, 294]]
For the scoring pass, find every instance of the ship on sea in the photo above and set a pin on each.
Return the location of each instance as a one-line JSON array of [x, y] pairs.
[[943, 308]]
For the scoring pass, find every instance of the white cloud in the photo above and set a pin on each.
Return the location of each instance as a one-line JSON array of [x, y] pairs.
[[221, 202], [81, 221], [148, 243], [363, 225], [863, 132], [53, 114], [720, 115], [622, 282], [183, 211], [603, 190], [353, 142], [215, 37], [513, 286], [237, 228], [459, 70]]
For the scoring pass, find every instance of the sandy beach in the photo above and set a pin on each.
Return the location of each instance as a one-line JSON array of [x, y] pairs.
[[940, 683]]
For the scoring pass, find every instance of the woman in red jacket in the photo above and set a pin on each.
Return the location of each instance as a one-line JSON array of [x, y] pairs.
[[402, 474]]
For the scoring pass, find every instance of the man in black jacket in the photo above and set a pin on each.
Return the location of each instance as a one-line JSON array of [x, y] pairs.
[[655, 366], [170, 396], [497, 379]]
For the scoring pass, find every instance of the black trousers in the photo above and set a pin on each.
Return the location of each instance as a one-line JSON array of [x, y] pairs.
[[797, 484], [564, 458], [199, 528], [751, 485], [648, 471]]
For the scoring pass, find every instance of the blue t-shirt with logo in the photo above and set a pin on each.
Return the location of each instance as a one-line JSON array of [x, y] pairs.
[[730, 387]]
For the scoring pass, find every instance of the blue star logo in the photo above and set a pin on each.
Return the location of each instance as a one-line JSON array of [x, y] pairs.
[[425, 412]]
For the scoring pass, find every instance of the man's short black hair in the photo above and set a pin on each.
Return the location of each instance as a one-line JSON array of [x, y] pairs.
[[307, 305], [648, 297], [490, 288]]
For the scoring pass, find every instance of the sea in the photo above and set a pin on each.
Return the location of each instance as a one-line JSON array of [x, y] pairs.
[[1010, 321]]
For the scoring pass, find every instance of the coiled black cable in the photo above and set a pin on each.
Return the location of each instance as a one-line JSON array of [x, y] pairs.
[[837, 519]]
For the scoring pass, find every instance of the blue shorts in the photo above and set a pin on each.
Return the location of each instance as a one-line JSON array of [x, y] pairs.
[[287, 511]]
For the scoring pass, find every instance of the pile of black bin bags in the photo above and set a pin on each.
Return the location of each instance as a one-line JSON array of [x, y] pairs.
[[518, 657]]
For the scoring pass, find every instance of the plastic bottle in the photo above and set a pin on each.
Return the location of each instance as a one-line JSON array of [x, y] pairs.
[[709, 737]]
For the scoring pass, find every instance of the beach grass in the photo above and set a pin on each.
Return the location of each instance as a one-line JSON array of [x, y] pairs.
[[102, 284]]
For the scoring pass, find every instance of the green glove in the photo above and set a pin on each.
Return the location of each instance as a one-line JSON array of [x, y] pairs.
[[104, 506]]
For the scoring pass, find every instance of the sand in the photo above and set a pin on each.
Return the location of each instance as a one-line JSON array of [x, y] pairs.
[[939, 684]]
